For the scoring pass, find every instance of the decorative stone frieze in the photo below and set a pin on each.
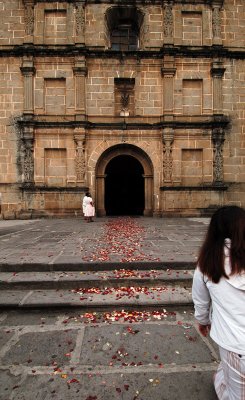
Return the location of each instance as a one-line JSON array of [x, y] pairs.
[[27, 158], [218, 138], [80, 72], [80, 21], [80, 163], [28, 72], [168, 22], [29, 20], [167, 139], [217, 72]]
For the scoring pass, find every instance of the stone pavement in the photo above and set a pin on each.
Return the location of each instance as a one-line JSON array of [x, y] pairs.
[[104, 356], [120, 338], [73, 244]]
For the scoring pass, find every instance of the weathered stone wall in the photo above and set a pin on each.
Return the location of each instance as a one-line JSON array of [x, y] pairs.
[[58, 115]]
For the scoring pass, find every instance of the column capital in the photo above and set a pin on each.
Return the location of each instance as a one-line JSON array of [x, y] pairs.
[[217, 3], [80, 68], [28, 71], [217, 69], [168, 72], [80, 71], [27, 67], [168, 68], [29, 2], [218, 134], [28, 133], [168, 135], [80, 139]]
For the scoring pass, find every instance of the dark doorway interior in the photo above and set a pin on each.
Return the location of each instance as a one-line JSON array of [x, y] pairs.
[[124, 186]]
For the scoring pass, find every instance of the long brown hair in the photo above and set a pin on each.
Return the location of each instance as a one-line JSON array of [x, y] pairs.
[[226, 223]]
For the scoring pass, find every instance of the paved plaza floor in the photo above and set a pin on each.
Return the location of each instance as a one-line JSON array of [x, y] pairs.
[[95, 354], [107, 240]]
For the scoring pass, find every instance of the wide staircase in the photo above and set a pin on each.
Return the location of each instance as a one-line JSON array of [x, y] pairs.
[[96, 289]]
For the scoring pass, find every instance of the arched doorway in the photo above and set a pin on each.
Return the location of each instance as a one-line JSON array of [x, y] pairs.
[[124, 172], [124, 186]]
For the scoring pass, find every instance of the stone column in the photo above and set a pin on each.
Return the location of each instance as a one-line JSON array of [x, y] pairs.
[[218, 138], [148, 195], [29, 20], [80, 72], [27, 159], [80, 162], [28, 72], [216, 22], [168, 72], [168, 25], [167, 139], [217, 72], [100, 189], [80, 21]]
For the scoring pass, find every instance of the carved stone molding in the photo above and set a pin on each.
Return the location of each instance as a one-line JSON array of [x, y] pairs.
[[80, 163], [27, 159], [168, 22], [218, 138], [167, 138], [29, 17], [80, 21], [216, 24]]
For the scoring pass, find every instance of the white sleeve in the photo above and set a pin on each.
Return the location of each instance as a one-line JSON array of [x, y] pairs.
[[201, 298]]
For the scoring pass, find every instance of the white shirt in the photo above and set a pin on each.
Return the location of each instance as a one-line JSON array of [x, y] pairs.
[[223, 305], [86, 200]]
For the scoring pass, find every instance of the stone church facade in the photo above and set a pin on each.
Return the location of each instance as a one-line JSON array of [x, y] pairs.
[[140, 102]]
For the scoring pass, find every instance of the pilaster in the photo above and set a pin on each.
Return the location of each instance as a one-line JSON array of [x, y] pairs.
[[28, 72], [80, 72], [217, 72], [148, 195], [167, 139], [218, 138], [80, 162], [27, 159], [168, 72]]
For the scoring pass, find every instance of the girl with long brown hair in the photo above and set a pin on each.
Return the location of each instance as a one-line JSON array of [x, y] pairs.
[[219, 297]]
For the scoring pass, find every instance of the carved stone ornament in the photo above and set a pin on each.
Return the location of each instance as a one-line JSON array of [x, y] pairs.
[[80, 17], [216, 23], [29, 17], [28, 161], [168, 20], [124, 100], [218, 140], [167, 138], [80, 159]]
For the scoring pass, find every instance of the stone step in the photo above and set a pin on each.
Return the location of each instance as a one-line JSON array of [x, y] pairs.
[[97, 298], [77, 265], [101, 279]]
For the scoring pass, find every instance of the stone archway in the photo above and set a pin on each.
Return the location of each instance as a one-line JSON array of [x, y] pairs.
[[114, 164]]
